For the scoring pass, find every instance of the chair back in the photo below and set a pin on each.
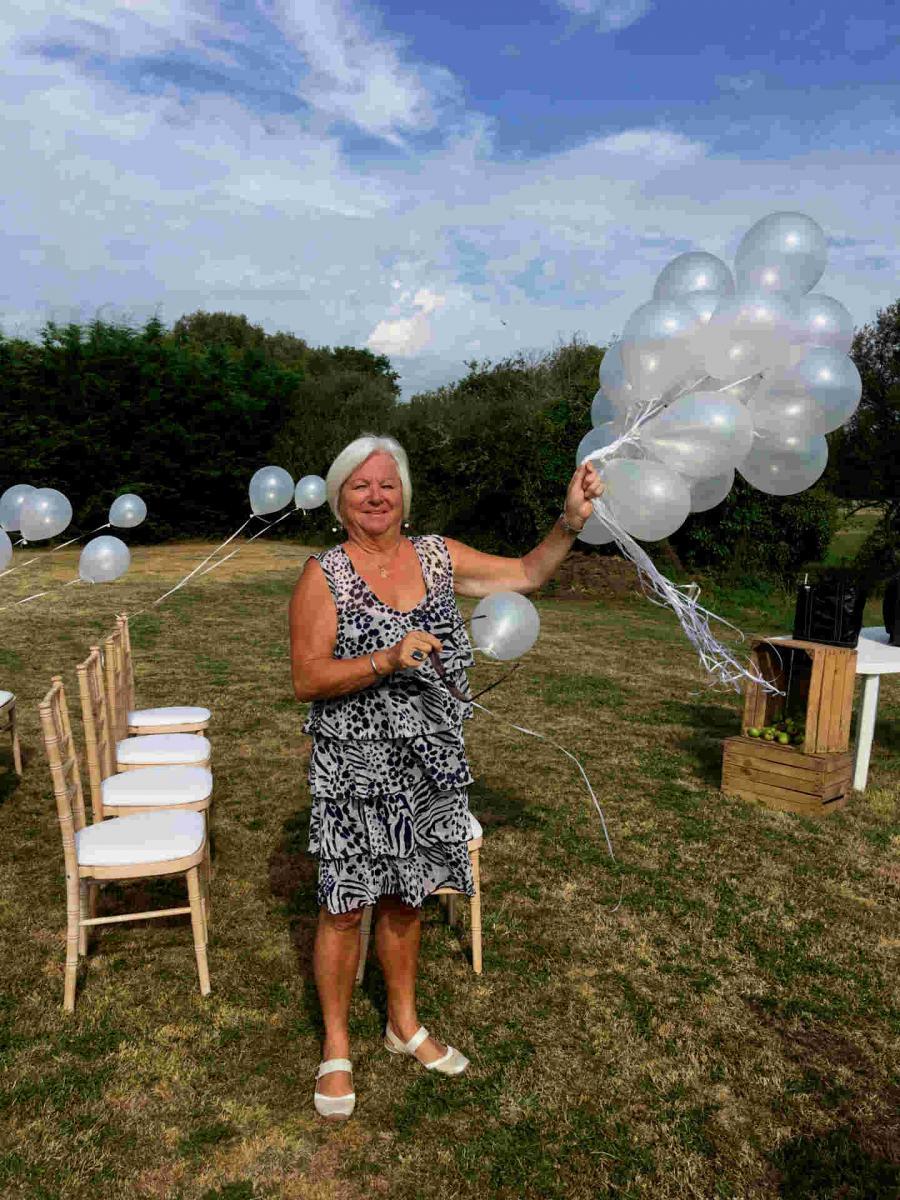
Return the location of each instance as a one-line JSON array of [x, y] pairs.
[[99, 739], [63, 759], [127, 661], [116, 692]]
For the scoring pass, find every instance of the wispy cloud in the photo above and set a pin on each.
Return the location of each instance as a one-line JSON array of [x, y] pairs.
[[608, 16]]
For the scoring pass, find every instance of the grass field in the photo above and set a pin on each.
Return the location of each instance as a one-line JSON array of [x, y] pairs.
[[729, 1030]]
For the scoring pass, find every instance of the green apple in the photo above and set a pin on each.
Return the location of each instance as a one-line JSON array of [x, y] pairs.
[[784, 739], [753, 731]]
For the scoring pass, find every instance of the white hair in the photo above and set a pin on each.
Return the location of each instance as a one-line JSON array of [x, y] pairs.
[[355, 455]]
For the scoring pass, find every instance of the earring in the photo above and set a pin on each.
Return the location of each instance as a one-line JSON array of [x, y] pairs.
[[406, 524]]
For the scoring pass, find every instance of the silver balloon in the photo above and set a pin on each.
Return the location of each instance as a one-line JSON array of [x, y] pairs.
[[613, 380], [310, 492], [741, 390], [783, 464], [700, 435], [784, 252], [505, 625], [127, 511], [703, 304], [6, 550], [602, 409], [648, 499], [11, 505], [596, 439], [707, 493], [691, 273], [595, 533], [103, 559], [657, 346], [45, 512], [271, 488], [834, 384], [784, 405], [820, 321], [748, 333]]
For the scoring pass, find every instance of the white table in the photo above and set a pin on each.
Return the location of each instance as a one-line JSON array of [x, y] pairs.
[[874, 658]]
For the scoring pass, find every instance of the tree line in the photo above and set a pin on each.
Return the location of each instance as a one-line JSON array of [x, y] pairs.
[[184, 416]]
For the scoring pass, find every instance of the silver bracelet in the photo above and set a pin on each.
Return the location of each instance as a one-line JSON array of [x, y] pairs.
[[567, 527], [374, 666]]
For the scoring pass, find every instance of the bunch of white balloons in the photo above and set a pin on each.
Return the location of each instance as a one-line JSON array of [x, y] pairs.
[[271, 488], [720, 372]]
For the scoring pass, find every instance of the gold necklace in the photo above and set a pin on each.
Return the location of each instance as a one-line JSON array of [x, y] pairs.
[[383, 570]]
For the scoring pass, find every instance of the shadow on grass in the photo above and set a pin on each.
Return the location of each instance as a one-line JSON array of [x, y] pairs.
[[708, 725]]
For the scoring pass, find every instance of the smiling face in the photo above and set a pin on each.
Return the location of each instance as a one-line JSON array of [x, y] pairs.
[[371, 499]]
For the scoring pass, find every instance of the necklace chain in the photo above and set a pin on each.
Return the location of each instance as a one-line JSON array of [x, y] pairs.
[[383, 569]]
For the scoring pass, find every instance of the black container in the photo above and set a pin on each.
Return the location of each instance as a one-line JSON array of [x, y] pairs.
[[891, 610], [830, 611]]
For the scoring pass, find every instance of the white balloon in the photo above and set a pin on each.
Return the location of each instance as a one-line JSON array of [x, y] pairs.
[[784, 405], [45, 512], [741, 390], [692, 273], [703, 304], [784, 252], [310, 492], [748, 333], [103, 559], [271, 488], [6, 550], [700, 435], [596, 439], [657, 346], [11, 505], [820, 321], [127, 511], [707, 493], [595, 533], [783, 464], [602, 409], [613, 380], [833, 382], [648, 499], [505, 625]]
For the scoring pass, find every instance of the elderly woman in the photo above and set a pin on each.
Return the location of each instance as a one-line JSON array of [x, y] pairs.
[[388, 771]]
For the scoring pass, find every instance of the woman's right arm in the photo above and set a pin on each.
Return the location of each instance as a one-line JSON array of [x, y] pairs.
[[315, 672]]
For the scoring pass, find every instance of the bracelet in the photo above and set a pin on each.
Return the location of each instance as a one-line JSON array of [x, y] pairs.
[[567, 527], [374, 665]]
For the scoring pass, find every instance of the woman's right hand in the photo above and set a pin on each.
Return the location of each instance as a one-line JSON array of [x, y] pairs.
[[412, 651]]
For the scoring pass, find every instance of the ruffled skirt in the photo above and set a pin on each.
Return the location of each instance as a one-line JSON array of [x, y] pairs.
[[389, 818]]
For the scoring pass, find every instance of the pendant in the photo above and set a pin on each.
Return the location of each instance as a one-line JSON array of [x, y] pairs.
[[383, 572]]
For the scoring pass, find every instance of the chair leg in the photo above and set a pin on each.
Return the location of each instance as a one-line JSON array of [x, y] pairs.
[[193, 884], [82, 914], [204, 898], [16, 747], [475, 914], [73, 916], [365, 931], [452, 911]]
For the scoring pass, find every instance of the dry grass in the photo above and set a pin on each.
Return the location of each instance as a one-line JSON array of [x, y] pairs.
[[730, 1030]]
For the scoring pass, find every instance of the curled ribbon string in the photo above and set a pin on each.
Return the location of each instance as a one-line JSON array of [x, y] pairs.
[[259, 533]]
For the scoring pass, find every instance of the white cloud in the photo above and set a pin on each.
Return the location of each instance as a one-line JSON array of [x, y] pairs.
[[609, 15], [402, 338]]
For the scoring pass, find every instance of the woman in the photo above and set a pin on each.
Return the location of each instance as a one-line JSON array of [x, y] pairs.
[[388, 770]]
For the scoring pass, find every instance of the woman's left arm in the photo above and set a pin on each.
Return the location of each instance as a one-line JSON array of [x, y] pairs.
[[478, 574]]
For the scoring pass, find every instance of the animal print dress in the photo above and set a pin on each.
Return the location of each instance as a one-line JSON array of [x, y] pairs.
[[388, 770]]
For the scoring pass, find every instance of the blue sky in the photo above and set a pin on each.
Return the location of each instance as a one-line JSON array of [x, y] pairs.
[[439, 182]]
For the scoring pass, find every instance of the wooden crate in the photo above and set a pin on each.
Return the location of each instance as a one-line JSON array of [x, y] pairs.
[[784, 777], [819, 683]]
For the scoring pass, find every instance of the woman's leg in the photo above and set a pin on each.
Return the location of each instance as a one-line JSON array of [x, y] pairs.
[[397, 934], [335, 958]]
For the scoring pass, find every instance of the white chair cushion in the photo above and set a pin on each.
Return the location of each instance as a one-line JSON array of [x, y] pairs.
[[141, 838], [177, 749], [5, 697], [475, 830], [175, 715], [158, 786]]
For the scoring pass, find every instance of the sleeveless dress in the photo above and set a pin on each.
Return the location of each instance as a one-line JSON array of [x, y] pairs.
[[387, 770]]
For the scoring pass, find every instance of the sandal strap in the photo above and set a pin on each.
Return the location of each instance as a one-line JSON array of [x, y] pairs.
[[439, 1061], [333, 1064], [416, 1040]]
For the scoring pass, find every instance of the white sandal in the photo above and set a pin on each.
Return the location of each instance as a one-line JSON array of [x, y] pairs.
[[336, 1108], [451, 1063]]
